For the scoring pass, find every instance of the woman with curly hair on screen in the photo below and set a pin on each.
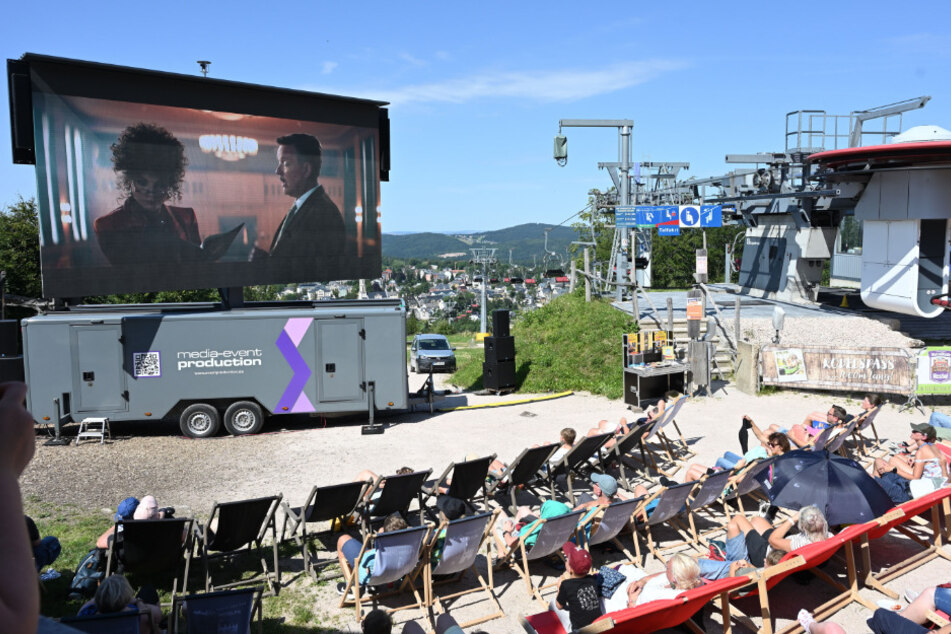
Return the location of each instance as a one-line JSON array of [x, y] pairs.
[[150, 166]]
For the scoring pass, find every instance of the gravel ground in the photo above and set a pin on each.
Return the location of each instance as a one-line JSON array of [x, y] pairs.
[[839, 332], [301, 452]]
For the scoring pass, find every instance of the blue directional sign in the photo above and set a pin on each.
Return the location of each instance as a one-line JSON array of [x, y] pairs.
[[711, 216], [647, 215], [689, 216], [625, 216], [670, 214], [668, 230]]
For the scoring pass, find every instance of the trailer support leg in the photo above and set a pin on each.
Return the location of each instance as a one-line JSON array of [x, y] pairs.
[[57, 438], [371, 427]]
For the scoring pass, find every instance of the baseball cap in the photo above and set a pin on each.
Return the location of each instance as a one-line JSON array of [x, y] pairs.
[[607, 483], [924, 428], [126, 508], [579, 560]]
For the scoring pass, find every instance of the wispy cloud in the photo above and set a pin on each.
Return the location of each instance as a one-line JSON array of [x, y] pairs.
[[328, 67], [569, 84], [412, 60]]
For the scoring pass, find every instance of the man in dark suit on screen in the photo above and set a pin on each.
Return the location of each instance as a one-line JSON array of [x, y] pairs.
[[312, 237]]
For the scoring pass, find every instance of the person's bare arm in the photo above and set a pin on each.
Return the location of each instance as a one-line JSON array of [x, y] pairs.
[[777, 539], [19, 589], [759, 433]]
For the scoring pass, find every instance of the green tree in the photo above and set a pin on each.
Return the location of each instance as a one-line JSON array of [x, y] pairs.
[[20, 248]]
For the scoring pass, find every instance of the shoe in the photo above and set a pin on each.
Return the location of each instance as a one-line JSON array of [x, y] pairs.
[[667, 482], [764, 509], [717, 550], [771, 513], [805, 619], [911, 595], [342, 587]]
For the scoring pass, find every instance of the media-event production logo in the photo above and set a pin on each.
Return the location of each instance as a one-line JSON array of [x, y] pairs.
[[208, 358]]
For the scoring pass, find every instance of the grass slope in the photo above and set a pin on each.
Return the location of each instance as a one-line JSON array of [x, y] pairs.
[[566, 345]]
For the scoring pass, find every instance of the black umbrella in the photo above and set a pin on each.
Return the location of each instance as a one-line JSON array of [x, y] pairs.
[[844, 492]]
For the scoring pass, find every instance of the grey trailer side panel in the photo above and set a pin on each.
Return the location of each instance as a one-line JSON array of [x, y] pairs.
[[340, 351]]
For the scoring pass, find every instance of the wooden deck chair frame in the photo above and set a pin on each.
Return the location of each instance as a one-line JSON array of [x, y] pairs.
[[746, 484], [409, 486], [207, 538], [619, 452], [575, 461], [179, 601], [351, 575], [837, 443], [430, 597], [336, 504], [523, 472], [161, 525], [552, 534], [671, 506], [466, 491], [938, 505], [607, 525], [864, 445]]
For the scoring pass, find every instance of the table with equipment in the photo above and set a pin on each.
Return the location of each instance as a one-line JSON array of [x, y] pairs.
[[644, 384]]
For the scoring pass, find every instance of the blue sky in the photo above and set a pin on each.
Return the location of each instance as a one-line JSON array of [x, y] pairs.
[[477, 89]]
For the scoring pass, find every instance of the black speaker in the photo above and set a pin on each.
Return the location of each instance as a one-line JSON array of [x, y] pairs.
[[11, 369], [500, 323], [8, 337], [496, 376], [499, 349], [21, 111]]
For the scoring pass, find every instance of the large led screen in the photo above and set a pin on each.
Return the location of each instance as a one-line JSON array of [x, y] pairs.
[[216, 185]]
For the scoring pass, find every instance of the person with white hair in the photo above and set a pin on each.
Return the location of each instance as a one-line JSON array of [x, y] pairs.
[[681, 573], [759, 537]]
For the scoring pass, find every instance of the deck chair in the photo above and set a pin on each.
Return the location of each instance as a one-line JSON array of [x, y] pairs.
[[606, 526], [617, 454], [551, 535], [931, 536], [468, 479], [809, 557], [747, 485], [657, 442], [396, 493], [709, 491], [864, 444], [548, 623], [576, 462], [671, 506], [229, 611], [670, 613], [240, 525], [461, 541], [151, 547], [334, 503], [522, 473], [837, 443], [118, 623], [397, 559]]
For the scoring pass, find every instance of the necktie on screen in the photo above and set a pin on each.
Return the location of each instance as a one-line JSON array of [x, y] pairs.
[[287, 221]]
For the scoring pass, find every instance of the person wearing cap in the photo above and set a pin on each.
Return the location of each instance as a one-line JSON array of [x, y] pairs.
[[604, 487], [577, 590], [130, 508], [918, 472]]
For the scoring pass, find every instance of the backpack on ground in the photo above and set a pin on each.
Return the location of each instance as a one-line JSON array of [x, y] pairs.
[[91, 570]]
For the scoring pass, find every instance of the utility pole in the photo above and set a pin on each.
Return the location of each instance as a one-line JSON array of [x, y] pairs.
[[484, 256]]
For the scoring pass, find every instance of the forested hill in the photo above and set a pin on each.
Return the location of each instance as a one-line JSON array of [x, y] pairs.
[[526, 242]]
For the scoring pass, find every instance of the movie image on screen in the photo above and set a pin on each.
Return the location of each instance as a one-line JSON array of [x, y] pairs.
[[144, 197]]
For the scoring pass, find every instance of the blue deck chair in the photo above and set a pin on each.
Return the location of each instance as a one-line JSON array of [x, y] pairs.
[[461, 541], [551, 535], [228, 611], [523, 472], [397, 559], [600, 528], [118, 623]]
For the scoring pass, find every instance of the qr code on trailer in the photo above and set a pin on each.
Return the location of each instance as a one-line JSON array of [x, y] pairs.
[[147, 364]]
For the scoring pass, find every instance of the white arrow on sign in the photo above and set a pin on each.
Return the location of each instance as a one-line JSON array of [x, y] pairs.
[[689, 216]]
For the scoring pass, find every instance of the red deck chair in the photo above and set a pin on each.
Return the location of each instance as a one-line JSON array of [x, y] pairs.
[[805, 558], [547, 622], [669, 613]]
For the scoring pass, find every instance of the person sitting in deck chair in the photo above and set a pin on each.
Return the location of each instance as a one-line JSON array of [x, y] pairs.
[[776, 444], [348, 549], [605, 488], [115, 594], [757, 537], [511, 529], [130, 508]]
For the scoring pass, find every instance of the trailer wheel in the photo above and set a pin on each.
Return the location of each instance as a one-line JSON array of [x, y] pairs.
[[244, 417], [200, 421]]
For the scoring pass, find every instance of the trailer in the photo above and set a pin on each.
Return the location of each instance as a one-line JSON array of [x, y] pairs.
[[202, 365]]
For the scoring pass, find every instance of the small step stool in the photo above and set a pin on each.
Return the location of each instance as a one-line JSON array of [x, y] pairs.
[[94, 428]]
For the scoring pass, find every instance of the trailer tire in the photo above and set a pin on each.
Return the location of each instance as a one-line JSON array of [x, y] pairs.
[[200, 421], [244, 417]]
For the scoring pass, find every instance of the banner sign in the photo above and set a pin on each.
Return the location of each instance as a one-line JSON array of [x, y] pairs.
[[934, 371], [887, 370]]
